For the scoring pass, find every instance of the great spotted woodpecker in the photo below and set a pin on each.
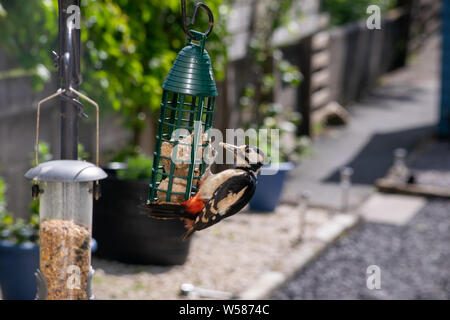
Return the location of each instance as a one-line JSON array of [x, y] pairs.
[[223, 194]]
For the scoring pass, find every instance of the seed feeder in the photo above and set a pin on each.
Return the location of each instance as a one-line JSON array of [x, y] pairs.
[[66, 187], [188, 99]]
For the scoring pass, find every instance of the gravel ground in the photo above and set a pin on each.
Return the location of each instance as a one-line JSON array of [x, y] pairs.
[[414, 261], [229, 256]]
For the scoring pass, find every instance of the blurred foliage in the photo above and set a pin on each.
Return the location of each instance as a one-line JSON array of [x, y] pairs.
[[128, 47], [16, 230], [139, 167], [257, 100], [82, 153], [345, 11], [2, 195], [289, 146], [28, 32], [44, 154]]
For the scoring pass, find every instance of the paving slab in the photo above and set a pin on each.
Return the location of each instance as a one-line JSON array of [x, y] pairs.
[[391, 209]]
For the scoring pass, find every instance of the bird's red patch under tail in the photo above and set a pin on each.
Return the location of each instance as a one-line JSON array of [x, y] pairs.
[[194, 205]]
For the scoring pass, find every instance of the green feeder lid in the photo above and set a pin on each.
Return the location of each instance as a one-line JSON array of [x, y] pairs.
[[192, 73]]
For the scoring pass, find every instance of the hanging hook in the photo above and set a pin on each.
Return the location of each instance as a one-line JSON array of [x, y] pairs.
[[194, 16]]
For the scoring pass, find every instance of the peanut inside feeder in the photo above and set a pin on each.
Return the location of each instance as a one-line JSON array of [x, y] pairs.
[[179, 155]]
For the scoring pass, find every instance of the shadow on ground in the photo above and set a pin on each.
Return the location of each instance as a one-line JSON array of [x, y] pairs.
[[394, 93], [435, 156], [375, 158]]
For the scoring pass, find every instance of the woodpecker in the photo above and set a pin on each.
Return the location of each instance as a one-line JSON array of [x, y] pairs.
[[223, 194]]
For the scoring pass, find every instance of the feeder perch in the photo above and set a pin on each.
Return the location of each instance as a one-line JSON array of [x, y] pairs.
[[188, 100]]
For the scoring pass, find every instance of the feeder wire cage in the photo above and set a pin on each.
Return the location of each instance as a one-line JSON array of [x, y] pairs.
[[188, 99]]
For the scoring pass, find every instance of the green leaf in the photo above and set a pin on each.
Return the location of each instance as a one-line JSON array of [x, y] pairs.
[[139, 167]]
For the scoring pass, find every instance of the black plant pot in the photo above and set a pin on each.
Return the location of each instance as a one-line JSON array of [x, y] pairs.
[[125, 234]]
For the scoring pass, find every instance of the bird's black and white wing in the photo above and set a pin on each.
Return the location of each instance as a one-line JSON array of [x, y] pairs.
[[230, 196]]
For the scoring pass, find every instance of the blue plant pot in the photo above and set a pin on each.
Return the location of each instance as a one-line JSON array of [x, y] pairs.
[[270, 185], [18, 264]]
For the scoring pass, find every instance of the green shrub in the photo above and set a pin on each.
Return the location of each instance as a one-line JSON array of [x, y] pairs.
[[139, 167], [44, 153], [290, 147], [16, 230], [2, 195], [20, 230]]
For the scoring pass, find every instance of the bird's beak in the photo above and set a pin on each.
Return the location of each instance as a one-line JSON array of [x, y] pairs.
[[229, 147]]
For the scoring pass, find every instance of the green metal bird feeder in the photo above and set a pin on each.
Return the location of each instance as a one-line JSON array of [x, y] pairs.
[[188, 99]]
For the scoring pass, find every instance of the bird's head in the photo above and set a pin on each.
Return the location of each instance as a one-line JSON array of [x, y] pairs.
[[246, 157]]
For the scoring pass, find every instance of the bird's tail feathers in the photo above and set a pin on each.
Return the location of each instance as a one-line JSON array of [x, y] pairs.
[[188, 233], [166, 211]]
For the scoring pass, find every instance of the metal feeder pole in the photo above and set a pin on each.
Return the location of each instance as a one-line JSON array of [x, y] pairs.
[[68, 62]]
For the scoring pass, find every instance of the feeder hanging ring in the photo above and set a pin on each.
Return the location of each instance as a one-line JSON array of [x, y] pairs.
[[194, 16]]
